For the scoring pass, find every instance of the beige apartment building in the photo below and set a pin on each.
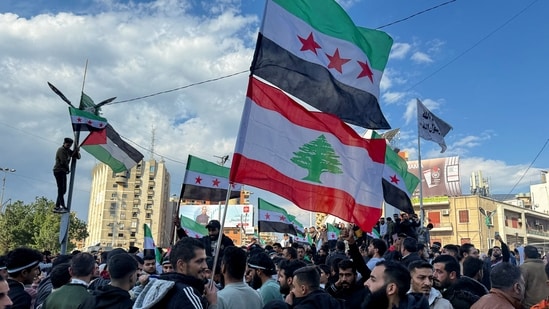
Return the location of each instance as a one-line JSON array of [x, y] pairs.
[[120, 204], [463, 219]]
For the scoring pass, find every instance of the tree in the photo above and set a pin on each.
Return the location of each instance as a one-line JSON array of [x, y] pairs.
[[317, 157], [36, 226]]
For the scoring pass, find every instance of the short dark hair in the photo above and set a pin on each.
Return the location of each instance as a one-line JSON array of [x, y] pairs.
[[419, 264], [149, 257], [326, 269], [309, 276], [82, 264], [277, 244], [504, 275], [452, 248], [340, 245], [139, 259], [292, 252], [398, 274], [60, 275], [531, 252], [61, 259], [234, 261], [21, 259], [451, 264], [410, 244], [380, 245], [121, 265], [290, 266], [184, 250], [471, 266], [465, 248], [347, 264]]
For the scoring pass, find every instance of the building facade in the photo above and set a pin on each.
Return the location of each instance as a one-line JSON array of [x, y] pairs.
[[476, 219], [121, 203]]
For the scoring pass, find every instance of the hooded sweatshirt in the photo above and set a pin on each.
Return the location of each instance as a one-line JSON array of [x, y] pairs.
[[108, 296]]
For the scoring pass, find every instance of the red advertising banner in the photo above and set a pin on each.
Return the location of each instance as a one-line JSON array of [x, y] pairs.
[[440, 176]]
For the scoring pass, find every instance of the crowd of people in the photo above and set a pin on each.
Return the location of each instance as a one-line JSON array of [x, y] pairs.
[[399, 269]]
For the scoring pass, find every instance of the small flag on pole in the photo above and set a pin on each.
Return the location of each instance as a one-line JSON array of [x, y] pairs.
[[333, 232], [192, 228], [430, 127]]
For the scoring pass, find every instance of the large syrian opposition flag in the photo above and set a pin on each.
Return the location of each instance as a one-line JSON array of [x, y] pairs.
[[398, 182], [148, 243], [299, 228], [192, 228], [310, 158], [273, 218], [86, 121], [312, 50], [108, 147], [205, 180]]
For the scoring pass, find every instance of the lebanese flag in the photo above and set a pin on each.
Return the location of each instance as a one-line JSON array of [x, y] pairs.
[[313, 159], [312, 50]]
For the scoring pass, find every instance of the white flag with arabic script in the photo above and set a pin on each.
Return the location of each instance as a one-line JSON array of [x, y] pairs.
[[430, 127]]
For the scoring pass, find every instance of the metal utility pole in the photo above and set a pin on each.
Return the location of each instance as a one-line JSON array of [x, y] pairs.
[[6, 170]]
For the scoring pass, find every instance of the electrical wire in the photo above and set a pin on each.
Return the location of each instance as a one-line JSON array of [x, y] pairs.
[[526, 171]]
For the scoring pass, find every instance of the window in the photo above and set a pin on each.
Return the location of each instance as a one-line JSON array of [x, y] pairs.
[[121, 226], [115, 185], [148, 215], [134, 214], [109, 235], [151, 169], [113, 205], [463, 216], [114, 195], [124, 195], [134, 224], [132, 234], [434, 218], [120, 235], [122, 216]]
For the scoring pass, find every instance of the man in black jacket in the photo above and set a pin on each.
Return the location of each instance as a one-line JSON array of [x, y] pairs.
[[184, 287], [307, 294], [123, 273], [210, 241], [347, 287], [461, 291]]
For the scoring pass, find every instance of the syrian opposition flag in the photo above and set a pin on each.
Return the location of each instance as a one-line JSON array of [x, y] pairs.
[[332, 232], [312, 50], [148, 243], [86, 121], [192, 228], [205, 180], [310, 158], [398, 182], [108, 147], [273, 218], [374, 234], [299, 228]]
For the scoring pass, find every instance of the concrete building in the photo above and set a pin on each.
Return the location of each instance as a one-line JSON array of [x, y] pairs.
[[475, 219], [121, 203]]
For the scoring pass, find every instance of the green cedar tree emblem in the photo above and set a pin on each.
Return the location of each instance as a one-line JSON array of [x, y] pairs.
[[317, 157]]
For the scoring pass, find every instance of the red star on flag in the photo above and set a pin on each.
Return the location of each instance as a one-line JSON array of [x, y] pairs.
[[309, 43], [198, 180], [267, 216], [79, 119], [394, 179], [101, 125], [336, 62], [197, 236], [215, 182], [90, 122], [366, 71], [282, 218]]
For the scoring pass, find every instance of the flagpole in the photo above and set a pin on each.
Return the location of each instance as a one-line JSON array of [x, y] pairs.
[[65, 218], [220, 237], [420, 175]]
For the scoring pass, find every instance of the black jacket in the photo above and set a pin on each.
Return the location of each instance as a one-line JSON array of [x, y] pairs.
[[464, 292], [20, 298], [353, 296], [225, 242], [108, 297], [318, 299], [187, 293], [412, 257]]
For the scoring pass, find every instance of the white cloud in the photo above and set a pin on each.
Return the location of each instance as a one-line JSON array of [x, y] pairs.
[[400, 50], [420, 57], [393, 97]]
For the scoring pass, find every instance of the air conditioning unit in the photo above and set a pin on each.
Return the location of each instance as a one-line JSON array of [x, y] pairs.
[[445, 212], [519, 220]]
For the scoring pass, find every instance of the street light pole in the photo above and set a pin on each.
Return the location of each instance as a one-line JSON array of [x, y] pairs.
[[5, 170]]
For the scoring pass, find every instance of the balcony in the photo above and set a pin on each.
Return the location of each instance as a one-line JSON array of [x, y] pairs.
[[537, 232], [442, 227]]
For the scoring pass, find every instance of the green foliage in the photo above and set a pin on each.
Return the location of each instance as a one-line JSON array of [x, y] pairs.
[[36, 226], [317, 157]]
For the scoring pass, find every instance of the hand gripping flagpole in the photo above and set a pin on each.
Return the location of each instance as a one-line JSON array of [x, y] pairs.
[[220, 236]]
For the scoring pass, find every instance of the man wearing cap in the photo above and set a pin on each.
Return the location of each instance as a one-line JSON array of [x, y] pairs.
[[210, 241], [61, 169], [263, 269], [23, 268]]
